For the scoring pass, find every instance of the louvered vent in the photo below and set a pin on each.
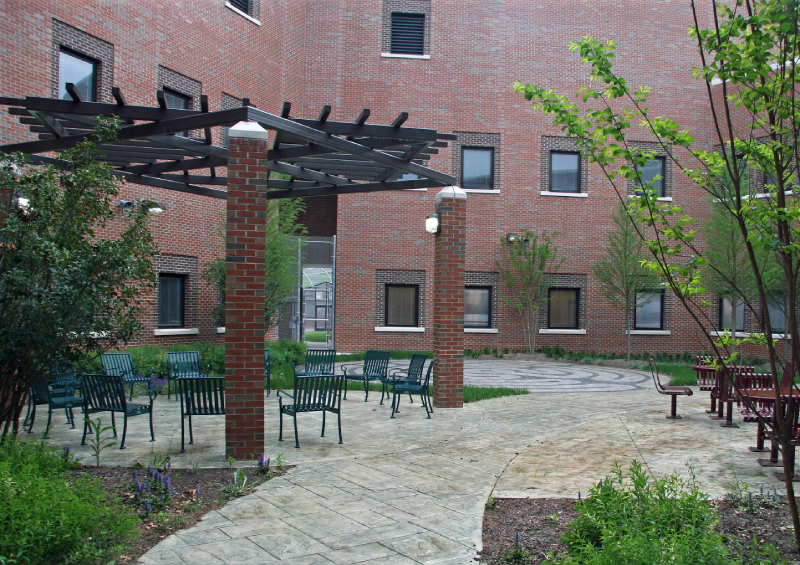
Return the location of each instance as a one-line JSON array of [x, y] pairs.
[[408, 33], [241, 5]]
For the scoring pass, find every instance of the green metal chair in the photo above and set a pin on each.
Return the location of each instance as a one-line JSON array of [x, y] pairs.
[[414, 387], [41, 394], [200, 396], [184, 365], [318, 362], [413, 373], [106, 393], [312, 393], [376, 364], [121, 365]]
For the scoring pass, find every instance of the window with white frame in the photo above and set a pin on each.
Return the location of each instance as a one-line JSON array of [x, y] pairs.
[[565, 171], [477, 307], [477, 167], [649, 312], [563, 308], [402, 305]]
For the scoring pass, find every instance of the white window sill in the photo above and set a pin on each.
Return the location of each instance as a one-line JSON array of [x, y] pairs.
[[399, 329], [748, 334], [567, 194], [238, 11], [221, 330], [651, 332], [562, 332], [482, 190], [401, 56], [176, 331], [659, 199], [480, 330]]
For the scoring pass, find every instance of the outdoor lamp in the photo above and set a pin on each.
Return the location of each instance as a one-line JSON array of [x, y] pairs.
[[433, 224], [512, 237], [155, 208], [126, 205]]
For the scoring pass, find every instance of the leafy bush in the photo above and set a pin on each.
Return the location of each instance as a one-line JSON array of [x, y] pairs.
[[48, 517], [637, 521]]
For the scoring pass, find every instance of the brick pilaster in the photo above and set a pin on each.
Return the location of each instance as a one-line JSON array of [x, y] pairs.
[[448, 299], [244, 291]]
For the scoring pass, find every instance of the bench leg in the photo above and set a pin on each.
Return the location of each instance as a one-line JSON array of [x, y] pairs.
[[183, 433], [366, 389], [85, 428], [71, 417], [280, 434], [673, 415], [345, 388], [296, 439], [394, 404], [33, 419], [323, 424], [124, 430], [152, 433], [49, 420], [339, 414], [114, 426], [191, 434], [269, 383]]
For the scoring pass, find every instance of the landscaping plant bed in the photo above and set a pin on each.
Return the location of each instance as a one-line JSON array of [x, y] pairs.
[[196, 492], [540, 522]]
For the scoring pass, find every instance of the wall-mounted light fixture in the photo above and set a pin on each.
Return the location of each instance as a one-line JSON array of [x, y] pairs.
[[512, 237], [128, 205], [433, 223]]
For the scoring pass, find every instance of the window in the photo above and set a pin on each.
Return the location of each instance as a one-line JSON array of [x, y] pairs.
[[171, 294], [241, 5], [652, 169], [565, 171], [407, 34], [80, 71], [477, 167], [402, 305], [649, 313], [477, 307], [726, 315], [178, 101], [563, 308], [777, 307]]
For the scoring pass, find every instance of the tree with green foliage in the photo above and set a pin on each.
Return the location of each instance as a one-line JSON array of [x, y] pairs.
[[751, 50], [282, 247], [525, 266], [620, 273], [64, 291]]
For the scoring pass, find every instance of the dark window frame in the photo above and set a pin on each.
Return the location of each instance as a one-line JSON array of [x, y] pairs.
[[661, 294], [781, 305], [662, 189], [721, 312], [238, 5], [488, 324], [183, 280], [386, 305], [580, 165], [394, 47], [86, 59], [180, 96], [490, 149], [577, 308]]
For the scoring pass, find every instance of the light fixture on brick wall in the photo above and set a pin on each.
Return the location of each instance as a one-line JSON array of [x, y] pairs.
[[129, 205], [126, 205], [512, 237], [433, 223]]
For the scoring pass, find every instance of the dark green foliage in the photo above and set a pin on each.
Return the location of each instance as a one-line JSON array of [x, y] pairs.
[[64, 290], [635, 521], [48, 517]]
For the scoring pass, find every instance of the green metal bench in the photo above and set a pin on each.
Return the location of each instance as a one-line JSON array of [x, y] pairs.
[[318, 362], [121, 365], [106, 393], [313, 393], [414, 386], [200, 396], [41, 395], [376, 364], [413, 373], [184, 365]]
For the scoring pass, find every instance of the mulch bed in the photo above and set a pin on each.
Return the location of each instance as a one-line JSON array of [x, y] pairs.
[[540, 523], [196, 494]]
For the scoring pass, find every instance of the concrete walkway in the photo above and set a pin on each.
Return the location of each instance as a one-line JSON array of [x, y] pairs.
[[412, 490]]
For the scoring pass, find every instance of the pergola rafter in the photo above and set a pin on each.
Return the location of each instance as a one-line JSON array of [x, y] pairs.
[[321, 157]]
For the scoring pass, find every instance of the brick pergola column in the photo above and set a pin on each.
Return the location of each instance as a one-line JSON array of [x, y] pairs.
[[244, 291], [448, 299]]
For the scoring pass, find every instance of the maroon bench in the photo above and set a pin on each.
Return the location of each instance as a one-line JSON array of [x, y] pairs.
[[672, 391]]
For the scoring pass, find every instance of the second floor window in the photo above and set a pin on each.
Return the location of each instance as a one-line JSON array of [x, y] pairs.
[[477, 170], [408, 33], [80, 71], [654, 171]]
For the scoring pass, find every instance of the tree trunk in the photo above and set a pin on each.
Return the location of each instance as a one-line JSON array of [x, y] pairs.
[[628, 328]]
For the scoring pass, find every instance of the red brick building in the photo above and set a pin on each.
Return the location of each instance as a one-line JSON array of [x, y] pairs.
[[450, 65]]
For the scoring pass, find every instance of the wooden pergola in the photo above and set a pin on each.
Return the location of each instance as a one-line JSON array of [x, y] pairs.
[[321, 157]]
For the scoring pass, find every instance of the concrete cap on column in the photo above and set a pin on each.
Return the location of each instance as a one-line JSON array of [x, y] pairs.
[[453, 192], [250, 130]]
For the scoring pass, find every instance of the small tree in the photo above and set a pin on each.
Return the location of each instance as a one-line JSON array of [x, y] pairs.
[[525, 267], [620, 273], [281, 258], [64, 291]]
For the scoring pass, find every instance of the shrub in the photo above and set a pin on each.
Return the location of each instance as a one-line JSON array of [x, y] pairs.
[[48, 517], [637, 521]]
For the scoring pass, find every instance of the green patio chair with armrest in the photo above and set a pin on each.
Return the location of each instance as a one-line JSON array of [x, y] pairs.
[[414, 372], [200, 396], [185, 365], [41, 395], [106, 393], [414, 387], [374, 368], [121, 365], [318, 362]]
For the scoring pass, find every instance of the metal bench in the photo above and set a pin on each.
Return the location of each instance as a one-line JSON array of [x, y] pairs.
[[376, 364], [673, 391], [120, 364], [184, 365], [413, 373], [41, 395], [313, 393], [414, 387], [318, 362], [106, 393], [200, 396]]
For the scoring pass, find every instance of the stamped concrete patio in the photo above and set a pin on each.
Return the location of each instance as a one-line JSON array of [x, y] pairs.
[[412, 490]]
